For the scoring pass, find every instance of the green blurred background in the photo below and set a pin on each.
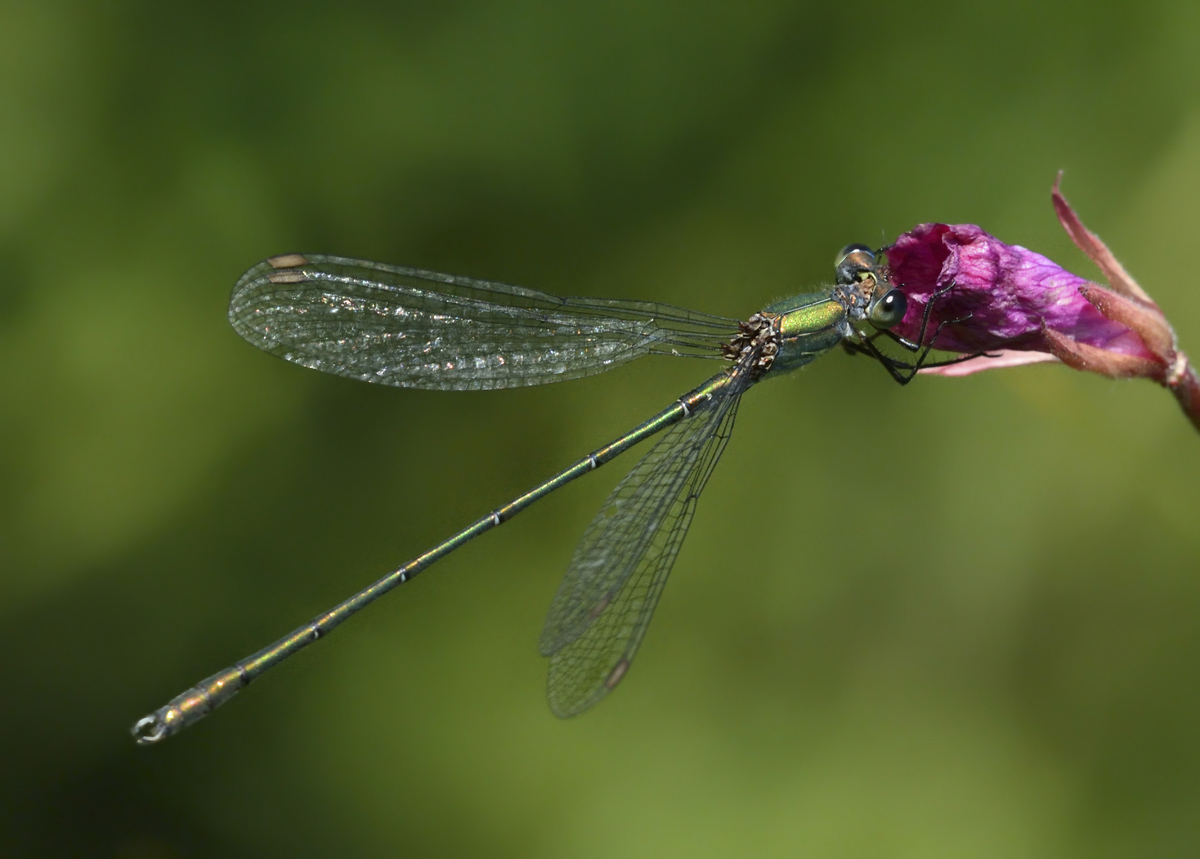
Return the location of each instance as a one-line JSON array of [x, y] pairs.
[[953, 619]]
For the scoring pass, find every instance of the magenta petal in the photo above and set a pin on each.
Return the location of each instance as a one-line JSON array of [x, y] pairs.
[[1003, 296]]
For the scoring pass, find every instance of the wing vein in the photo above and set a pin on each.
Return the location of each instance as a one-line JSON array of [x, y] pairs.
[[603, 607]]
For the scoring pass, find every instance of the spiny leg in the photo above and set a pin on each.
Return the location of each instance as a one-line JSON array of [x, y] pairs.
[[915, 347], [902, 371], [857, 349]]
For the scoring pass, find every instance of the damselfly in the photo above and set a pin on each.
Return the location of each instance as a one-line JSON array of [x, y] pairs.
[[420, 329]]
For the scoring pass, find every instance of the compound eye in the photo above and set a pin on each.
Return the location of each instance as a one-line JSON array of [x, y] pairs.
[[855, 249], [889, 310], [855, 264]]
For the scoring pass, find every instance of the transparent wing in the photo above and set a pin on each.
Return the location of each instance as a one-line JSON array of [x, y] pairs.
[[421, 329], [603, 607]]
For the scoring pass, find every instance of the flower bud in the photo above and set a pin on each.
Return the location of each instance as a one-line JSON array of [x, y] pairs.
[[969, 292]]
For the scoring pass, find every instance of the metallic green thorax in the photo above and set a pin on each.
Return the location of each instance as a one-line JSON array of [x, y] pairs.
[[809, 325]]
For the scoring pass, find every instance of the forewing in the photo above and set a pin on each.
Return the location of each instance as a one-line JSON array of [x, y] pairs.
[[421, 329], [604, 605]]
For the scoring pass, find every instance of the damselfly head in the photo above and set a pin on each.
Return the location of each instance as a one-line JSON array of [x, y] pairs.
[[858, 269]]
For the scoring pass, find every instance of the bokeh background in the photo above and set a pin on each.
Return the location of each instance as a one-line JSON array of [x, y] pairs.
[[952, 619]]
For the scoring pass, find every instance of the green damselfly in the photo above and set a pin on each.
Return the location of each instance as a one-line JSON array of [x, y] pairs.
[[420, 329]]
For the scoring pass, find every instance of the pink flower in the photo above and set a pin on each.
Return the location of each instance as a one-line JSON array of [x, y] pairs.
[[1020, 307], [1007, 296]]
